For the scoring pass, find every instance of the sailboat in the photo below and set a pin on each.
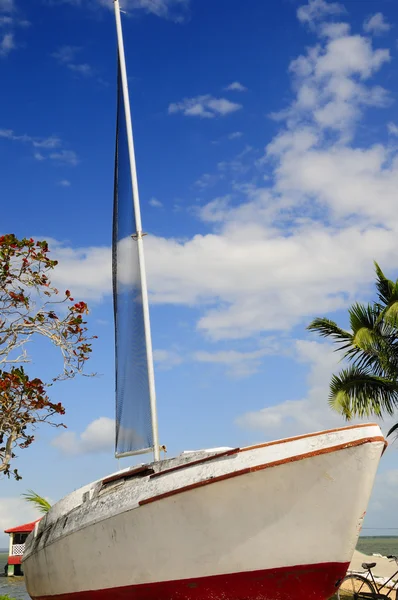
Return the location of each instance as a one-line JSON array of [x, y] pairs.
[[273, 521]]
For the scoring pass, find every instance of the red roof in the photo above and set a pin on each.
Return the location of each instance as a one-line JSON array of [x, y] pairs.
[[27, 528]]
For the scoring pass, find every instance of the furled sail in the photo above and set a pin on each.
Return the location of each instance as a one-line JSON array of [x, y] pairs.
[[134, 432]]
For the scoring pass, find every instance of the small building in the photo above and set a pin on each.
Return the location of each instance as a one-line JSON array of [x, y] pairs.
[[18, 536]]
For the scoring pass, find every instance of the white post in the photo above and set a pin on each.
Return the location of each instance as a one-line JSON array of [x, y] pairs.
[[140, 246], [11, 542]]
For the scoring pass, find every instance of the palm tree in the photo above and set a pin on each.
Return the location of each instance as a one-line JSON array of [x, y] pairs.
[[369, 386], [41, 503]]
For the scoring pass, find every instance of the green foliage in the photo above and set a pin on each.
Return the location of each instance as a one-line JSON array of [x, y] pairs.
[[38, 501], [369, 386]]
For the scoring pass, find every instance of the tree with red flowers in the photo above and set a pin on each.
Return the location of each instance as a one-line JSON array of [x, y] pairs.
[[30, 308]]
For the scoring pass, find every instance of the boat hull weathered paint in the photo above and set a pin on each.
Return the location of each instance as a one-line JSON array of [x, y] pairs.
[[274, 521], [312, 581]]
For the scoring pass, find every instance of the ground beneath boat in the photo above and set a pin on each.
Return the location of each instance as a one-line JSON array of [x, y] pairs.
[[383, 568], [382, 572]]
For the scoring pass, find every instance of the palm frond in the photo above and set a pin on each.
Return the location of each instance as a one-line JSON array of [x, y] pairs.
[[362, 316], [384, 286], [393, 428], [41, 503], [369, 386], [366, 339], [327, 328], [356, 392], [368, 361], [388, 359], [390, 315]]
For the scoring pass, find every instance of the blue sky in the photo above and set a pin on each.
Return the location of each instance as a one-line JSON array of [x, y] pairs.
[[266, 140]]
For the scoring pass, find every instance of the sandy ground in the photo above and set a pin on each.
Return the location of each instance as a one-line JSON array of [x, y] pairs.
[[382, 572], [383, 568]]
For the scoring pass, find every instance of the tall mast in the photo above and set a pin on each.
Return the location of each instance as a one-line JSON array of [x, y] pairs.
[[139, 233]]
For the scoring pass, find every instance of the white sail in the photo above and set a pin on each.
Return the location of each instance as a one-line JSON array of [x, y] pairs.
[[136, 419]]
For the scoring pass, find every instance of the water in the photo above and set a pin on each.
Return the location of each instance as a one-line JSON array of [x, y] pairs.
[[13, 586], [382, 545]]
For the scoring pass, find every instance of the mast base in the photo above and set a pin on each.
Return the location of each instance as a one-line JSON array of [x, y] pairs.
[[138, 452]]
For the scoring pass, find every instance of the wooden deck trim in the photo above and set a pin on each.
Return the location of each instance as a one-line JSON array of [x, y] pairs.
[[307, 435], [141, 471], [264, 466], [196, 462]]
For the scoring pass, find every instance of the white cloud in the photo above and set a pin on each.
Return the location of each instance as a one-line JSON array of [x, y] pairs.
[[236, 87], [392, 128], [216, 210], [43, 147], [66, 55], [326, 82], [66, 157], [87, 272], [98, 437], [238, 364], [301, 242], [50, 142], [316, 10], [251, 272], [206, 107], [293, 417], [256, 240], [334, 30], [376, 24], [168, 9], [348, 56], [383, 503], [239, 165], [14, 511], [9, 20], [82, 68], [313, 270], [167, 359], [161, 8], [312, 413], [174, 10], [7, 44], [235, 135], [207, 180], [64, 183], [7, 6], [155, 203], [37, 142]]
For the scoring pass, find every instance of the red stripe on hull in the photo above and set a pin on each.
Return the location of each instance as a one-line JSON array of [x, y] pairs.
[[307, 582]]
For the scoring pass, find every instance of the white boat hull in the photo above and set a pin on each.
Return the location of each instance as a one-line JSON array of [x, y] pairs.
[[278, 520]]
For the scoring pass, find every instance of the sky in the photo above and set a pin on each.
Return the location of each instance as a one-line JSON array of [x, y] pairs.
[[267, 152]]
